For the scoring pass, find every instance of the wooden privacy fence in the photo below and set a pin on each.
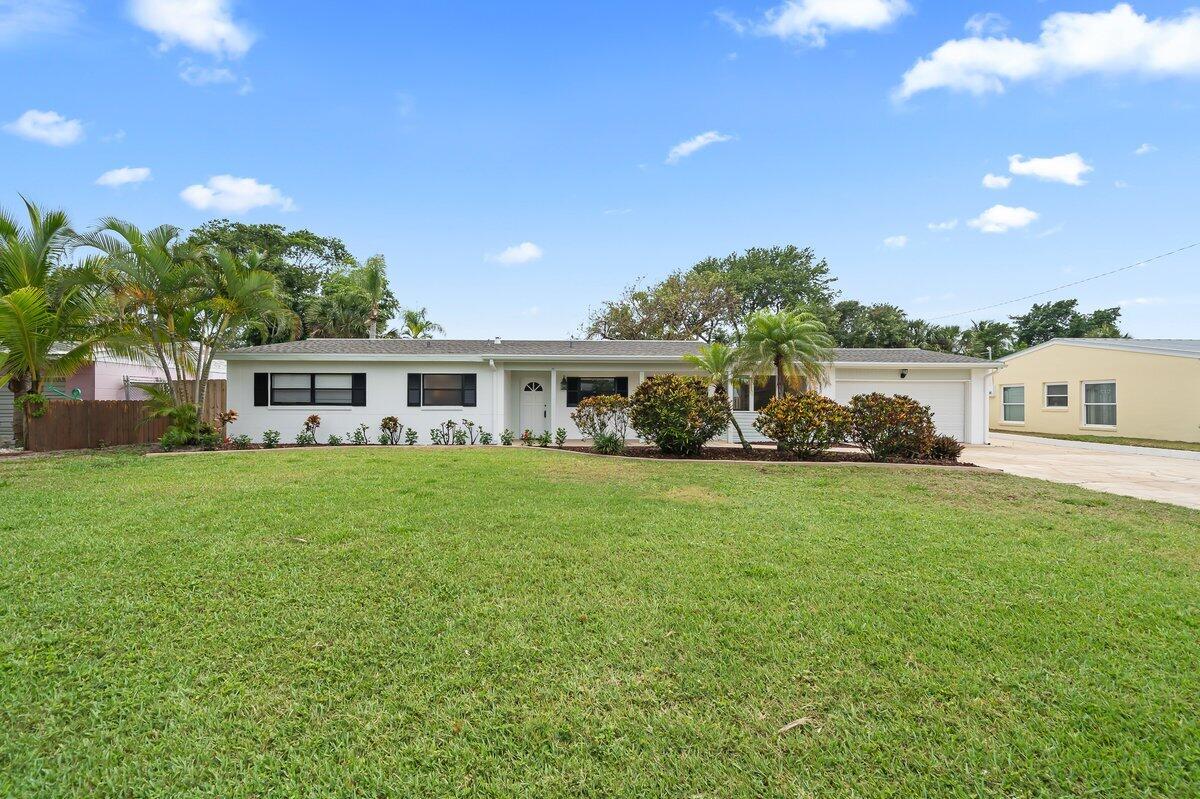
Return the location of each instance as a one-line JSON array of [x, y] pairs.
[[85, 424]]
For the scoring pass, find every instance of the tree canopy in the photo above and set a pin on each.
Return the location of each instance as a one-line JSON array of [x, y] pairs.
[[710, 301]]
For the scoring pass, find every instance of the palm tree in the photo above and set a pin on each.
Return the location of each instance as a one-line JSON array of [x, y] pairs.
[[414, 324], [29, 259], [34, 325], [720, 364], [238, 296], [156, 283], [987, 339], [792, 344], [373, 279]]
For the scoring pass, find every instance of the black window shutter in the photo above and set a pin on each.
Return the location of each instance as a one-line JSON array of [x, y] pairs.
[[414, 389], [358, 388], [623, 386], [572, 391], [261, 388], [469, 391]]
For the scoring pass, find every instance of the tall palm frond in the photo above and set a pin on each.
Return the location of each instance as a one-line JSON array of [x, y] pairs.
[[720, 364], [791, 344]]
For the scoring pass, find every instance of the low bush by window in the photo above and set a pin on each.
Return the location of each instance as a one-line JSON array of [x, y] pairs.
[[888, 426], [677, 414], [604, 419], [804, 424]]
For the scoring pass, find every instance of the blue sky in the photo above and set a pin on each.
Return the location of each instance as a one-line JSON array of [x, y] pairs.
[[445, 135]]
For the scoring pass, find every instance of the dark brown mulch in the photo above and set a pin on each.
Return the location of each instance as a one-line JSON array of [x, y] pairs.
[[762, 454]]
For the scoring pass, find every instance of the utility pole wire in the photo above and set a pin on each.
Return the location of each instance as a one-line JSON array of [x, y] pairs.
[[1069, 285]]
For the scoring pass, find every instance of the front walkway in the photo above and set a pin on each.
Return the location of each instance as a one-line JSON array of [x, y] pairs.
[[1133, 474]]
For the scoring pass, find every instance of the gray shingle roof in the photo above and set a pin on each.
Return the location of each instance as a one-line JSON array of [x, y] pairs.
[[666, 350]]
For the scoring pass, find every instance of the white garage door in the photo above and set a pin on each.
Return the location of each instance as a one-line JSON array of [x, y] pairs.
[[947, 400]]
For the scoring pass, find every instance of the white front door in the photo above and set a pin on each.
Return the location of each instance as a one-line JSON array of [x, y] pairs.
[[535, 413]]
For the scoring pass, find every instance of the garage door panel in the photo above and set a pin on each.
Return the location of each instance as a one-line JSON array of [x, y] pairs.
[[947, 400]]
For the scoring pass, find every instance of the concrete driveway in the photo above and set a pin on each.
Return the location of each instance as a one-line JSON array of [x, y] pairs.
[[1141, 475]]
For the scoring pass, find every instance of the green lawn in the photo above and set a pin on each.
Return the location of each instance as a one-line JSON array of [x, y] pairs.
[[1156, 443], [507, 622]]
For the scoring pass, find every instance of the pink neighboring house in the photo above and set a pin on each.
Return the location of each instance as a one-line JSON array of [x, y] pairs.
[[108, 377]]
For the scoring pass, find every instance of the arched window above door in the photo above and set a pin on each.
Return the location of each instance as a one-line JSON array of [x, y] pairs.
[[533, 385]]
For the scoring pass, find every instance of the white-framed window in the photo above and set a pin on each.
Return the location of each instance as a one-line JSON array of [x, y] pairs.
[[1012, 401], [1100, 403], [1055, 395]]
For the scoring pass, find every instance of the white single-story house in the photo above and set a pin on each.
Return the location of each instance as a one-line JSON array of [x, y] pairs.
[[534, 385]]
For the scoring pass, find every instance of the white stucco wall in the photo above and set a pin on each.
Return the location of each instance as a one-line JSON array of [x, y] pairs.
[[499, 387], [387, 395]]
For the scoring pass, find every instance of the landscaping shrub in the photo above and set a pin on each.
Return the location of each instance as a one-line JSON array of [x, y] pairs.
[[560, 437], [208, 437], [410, 436], [527, 437], [459, 437], [945, 448], [359, 436], [306, 438], [173, 439], [891, 426], [677, 414], [506, 438], [605, 420], [335, 440], [391, 428], [542, 439], [270, 439], [485, 438], [804, 424], [241, 442]]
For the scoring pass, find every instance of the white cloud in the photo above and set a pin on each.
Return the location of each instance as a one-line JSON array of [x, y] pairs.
[[692, 145], [522, 253], [1145, 149], [1002, 218], [895, 242], [991, 181], [124, 175], [21, 19], [939, 227], [1120, 184], [199, 75], [47, 127], [810, 21], [204, 25], [1054, 231], [115, 136], [1114, 42], [986, 24], [229, 194], [1069, 168], [1143, 301]]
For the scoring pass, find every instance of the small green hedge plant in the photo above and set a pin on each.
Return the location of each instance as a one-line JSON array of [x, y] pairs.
[[891, 426], [605, 420], [804, 424], [677, 414]]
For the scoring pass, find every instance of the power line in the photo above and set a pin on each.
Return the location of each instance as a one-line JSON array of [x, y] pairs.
[[1068, 285]]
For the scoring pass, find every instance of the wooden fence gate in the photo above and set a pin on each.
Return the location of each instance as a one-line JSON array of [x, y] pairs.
[[85, 424]]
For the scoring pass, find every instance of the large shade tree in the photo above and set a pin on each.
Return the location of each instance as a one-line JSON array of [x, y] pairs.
[[791, 345]]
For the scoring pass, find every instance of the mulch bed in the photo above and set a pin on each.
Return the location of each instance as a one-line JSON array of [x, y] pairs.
[[763, 454]]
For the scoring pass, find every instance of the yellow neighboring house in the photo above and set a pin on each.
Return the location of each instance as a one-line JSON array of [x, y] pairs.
[[1136, 388]]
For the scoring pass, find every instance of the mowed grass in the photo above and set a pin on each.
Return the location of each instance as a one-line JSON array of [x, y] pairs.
[[417, 622], [1153, 443]]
